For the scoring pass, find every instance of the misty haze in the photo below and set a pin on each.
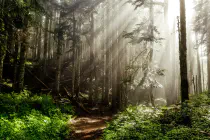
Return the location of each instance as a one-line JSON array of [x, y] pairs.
[[105, 69]]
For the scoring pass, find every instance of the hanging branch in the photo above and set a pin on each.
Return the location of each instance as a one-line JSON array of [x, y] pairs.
[[38, 79]]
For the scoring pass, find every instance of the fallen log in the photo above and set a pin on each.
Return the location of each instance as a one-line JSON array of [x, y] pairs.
[[75, 102], [38, 79], [205, 133]]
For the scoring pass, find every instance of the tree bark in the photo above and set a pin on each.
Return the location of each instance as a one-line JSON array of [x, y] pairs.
[[58, 55], [151, 96], [39, 47], [119, 91], [15, 63], [199, 73], [21, 70], [78, 70], [50, 45], [183, 53], [46, 44], [208, 63], [91, 60], [113, 48], [208, 56], [58, 67], [74, 43], [104, 99], [3, 48], [107, 58], [2, 56]]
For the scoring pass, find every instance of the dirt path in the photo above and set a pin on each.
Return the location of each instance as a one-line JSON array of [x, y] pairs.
[[89, 128]]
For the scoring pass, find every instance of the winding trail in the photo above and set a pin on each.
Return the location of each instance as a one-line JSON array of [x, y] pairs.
[[89, 127]]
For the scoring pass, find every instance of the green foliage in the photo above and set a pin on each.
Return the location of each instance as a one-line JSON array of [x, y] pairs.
[[200, 100], [24, 117], [134, 123], [190, 121], [183, 133]]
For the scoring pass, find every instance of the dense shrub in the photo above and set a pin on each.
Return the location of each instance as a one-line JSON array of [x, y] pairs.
[[191, 122], [27, 117]]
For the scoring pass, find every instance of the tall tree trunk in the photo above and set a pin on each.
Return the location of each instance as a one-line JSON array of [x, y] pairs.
[[46, 34], [58, 67], [208, 62], [92, 61], [174, 66], [190, 62], [151, 47], [23, 50], [96, 90], [59, 55], [10, 39], [125, 64], [202, 68], [15, 63], [78, 70], [2, 56], [107, 58], [78, 64], [74, 43], [183, 53], [35, 43], [114, 60], [3, 47], [119, 74], [104, 99], [49, 40], [39, 47], [199, 73], [118, 65], [208, 56], [168, 83]]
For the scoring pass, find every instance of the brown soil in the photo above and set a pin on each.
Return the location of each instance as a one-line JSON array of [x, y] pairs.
[[89, 128]]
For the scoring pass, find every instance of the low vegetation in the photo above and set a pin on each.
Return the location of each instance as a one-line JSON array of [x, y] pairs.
[[189, 122], [27, 116]]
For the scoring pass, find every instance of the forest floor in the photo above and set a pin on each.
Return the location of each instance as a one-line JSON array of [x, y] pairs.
[[89, 127]]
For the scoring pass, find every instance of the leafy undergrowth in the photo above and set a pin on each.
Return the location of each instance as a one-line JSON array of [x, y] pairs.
[[31, 117], [191, 122]]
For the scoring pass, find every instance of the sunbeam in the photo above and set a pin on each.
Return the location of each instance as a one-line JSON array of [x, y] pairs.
[[149, 59]]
